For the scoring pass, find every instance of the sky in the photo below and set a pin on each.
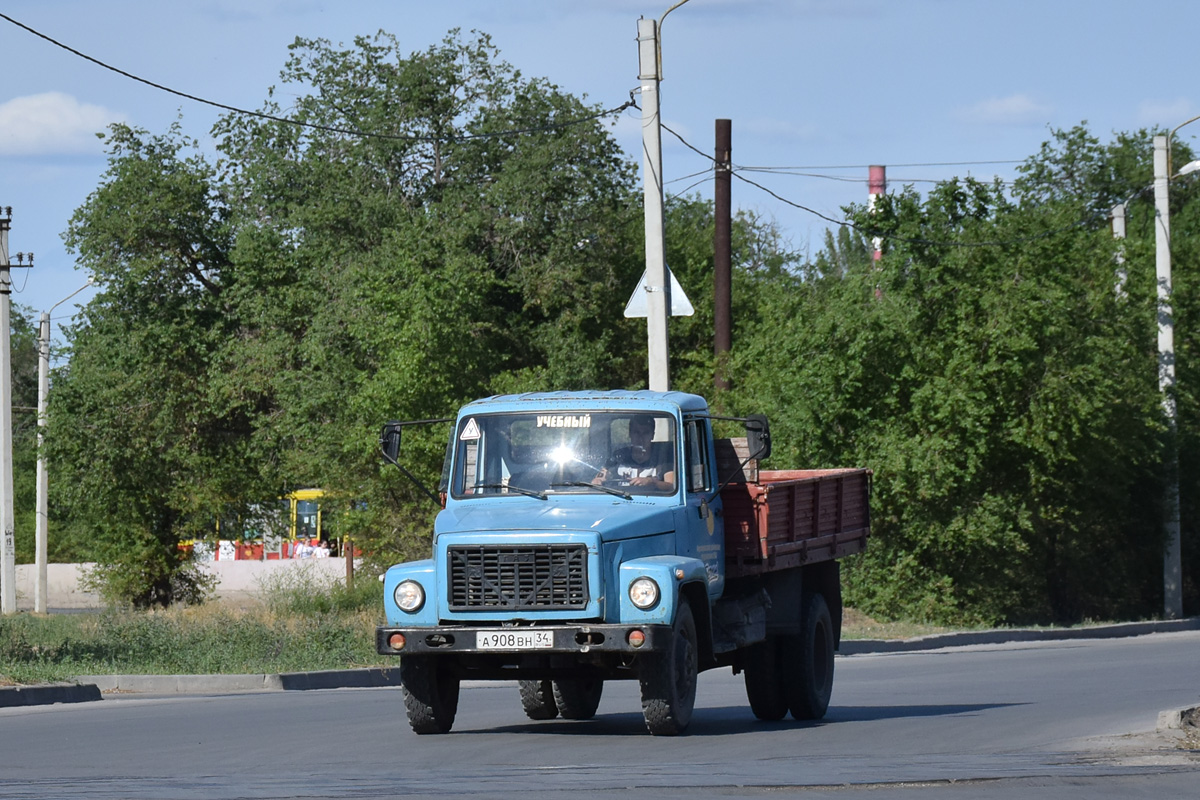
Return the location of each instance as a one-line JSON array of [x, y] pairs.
[[816, 90]]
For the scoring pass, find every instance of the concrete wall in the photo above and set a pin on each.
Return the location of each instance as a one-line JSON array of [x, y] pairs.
[[238, 582]]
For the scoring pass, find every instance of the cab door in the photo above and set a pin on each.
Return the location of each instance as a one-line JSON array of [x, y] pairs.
[[701, 529]]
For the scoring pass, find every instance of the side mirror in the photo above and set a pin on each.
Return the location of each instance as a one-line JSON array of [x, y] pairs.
[[389, 441], [758, 436]]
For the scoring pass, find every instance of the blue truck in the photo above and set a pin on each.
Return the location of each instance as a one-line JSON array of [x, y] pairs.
[[587, 537]]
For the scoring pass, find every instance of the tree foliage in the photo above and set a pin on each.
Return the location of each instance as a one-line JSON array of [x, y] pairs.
[[1001, 389], [438, 228]]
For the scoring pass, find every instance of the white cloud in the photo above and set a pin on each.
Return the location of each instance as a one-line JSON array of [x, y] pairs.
[[1165, 113], [52, 123], [1016, 109]]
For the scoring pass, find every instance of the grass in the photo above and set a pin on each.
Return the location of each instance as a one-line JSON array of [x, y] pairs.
[[201, 640], [856, 625], [302, 623]]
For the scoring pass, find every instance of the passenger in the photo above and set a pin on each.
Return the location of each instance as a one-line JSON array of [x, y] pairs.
[[639, 464]]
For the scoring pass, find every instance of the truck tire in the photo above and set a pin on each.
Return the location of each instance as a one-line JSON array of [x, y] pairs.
[[578, 698], [808, 661], [764, 684], [430, 693], [668, 679], [537, 698]]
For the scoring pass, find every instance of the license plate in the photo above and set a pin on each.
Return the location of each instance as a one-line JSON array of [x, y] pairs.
[[513, 640]]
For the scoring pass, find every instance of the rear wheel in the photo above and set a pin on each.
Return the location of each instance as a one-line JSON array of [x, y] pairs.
[[578, 698], [537, 698], [668, 679], [430, 693], [807, 661], [764, 681]]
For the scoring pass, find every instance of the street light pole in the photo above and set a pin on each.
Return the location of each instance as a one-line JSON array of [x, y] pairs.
[[657, 284], [41, 536], [1172, 558]]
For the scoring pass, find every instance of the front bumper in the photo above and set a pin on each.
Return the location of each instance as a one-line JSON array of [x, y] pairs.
[[568, 639]]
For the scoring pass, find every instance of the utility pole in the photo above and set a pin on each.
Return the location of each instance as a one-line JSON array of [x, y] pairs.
[[41, 537], [657, 286], [722, 254], [41, 534], [1172, 559], [8, 545]]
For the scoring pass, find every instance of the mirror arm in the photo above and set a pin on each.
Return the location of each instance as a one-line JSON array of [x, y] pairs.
[[418, 484], [729, 480], [749, 458], [399, 466]]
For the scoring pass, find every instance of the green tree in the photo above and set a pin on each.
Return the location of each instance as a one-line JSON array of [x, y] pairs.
[[1002, 392], [449, 230], [140, 453], [424, 229]]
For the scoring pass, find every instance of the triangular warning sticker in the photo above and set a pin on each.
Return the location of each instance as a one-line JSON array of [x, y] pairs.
[[471, 431]]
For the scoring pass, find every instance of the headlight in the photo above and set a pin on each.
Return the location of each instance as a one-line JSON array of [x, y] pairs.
[[409, 596], [643, 593]]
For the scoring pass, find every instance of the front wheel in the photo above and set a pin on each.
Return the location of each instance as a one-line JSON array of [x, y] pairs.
[[807, 661], [668, 679], [430, 693]]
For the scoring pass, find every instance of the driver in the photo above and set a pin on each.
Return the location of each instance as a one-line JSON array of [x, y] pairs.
[[637, 464]]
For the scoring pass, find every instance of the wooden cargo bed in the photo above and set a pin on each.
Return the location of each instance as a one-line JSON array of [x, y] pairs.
[[788, 518]]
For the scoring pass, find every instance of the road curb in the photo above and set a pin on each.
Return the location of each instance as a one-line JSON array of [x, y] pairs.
[[1179, 718], [377, 677], [373, 678], [12, 696], [850, 647], [183, 684]]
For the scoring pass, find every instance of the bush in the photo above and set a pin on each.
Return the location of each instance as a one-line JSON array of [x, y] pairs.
[[303, 591]]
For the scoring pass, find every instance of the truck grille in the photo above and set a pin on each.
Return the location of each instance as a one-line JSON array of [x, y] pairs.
[[541, 577]]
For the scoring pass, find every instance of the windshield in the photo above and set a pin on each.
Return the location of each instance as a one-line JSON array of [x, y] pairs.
[[624, 453]]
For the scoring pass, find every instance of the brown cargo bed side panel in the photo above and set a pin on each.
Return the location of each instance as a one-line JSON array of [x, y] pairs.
[[795, 517]]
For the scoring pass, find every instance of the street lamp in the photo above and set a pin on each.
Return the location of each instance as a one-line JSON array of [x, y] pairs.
[[1172, 552], [41, 588]]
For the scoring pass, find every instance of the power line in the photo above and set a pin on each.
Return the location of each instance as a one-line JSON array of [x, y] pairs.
[[880, 234], [311, 125], [688, 188], [846, 178], [688, 177], [906, 240], [915, 164], [751, 168], [686, 143]]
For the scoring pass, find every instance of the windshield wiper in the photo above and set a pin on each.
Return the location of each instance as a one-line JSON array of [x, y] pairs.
[[511, 488], [599, 486]]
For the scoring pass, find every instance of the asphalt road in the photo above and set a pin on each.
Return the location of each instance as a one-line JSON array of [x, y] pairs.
[[1051, 719]]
